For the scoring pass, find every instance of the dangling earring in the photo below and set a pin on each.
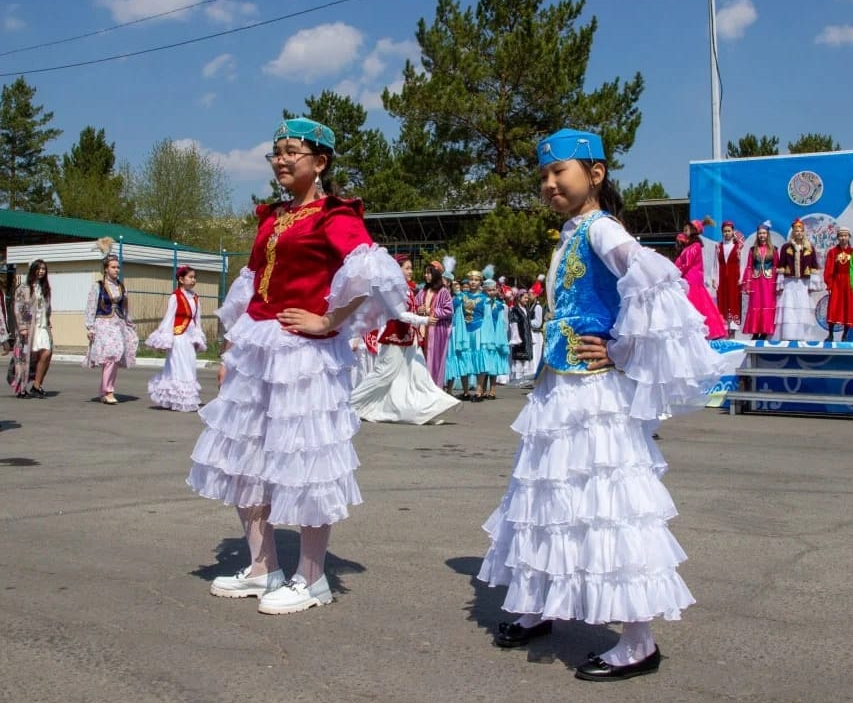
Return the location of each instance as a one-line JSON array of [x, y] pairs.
[[318, 184]]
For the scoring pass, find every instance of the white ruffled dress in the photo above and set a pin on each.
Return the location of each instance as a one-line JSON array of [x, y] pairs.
[[581, 532], [176, 387], [280, 431]]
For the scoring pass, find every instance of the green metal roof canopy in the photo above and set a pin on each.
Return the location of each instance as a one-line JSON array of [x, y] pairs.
[[80, 229]]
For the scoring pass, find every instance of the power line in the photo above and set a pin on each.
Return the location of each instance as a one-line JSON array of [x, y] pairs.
[[176, 44], [104, 31]]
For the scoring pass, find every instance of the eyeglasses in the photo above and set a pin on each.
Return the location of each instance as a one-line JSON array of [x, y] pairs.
[[290, 155]]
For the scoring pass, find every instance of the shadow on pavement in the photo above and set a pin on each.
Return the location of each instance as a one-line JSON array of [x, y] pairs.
[[570, 642], [232, 554]]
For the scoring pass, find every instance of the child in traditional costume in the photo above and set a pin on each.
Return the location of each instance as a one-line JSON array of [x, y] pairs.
[[581, 532], [400, 387], [278, 437], [838, 279], [759, 283], [798, 275], [111, 332], [180, 334]]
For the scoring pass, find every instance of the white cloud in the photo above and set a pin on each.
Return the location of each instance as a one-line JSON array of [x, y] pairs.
[[230, 13], [130, 10], [734, 18], [371, 99], [207, 99], [11, 23], [836, 35], [223, 64], [324, 50], [239, 164], [347, 87]]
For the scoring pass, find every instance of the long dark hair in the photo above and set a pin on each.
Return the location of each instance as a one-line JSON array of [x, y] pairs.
[[608, 196], [330, 187], [435, 281], [32, 277]]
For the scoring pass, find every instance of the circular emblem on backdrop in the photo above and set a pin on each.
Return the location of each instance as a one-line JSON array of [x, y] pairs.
[[805, 188]]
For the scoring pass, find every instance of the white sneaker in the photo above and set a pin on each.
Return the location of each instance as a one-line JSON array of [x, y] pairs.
[[296, 596], [240, 585]]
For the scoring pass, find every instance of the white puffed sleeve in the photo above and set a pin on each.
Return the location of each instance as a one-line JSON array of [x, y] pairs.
[[369, 272], [658, 337], [237, 300], [164, 336]]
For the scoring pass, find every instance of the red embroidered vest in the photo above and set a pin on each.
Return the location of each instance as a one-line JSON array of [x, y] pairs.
[[184, 313]]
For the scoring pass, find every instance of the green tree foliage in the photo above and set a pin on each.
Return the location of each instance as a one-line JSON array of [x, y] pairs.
[[517, 242], [366, 166], [749, 145], [813, 143], [497, 77], [88, 186], [180, 193], [26, 172], [643, 190]]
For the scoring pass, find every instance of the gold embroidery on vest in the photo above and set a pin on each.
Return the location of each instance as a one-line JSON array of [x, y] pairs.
[[468, 305], [572, 342], [284, 220], [575, 268]]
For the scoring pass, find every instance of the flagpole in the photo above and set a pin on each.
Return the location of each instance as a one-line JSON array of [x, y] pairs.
[[716, 143]]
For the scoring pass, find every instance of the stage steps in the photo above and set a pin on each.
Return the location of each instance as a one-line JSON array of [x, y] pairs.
[[826, 370]]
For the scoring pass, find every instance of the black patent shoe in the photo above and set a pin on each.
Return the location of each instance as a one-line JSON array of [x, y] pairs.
[[596, 669], [38, 392], [511, 634], [23, 394]]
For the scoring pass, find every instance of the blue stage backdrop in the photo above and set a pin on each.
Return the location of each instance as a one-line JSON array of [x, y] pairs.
[[817, 188]]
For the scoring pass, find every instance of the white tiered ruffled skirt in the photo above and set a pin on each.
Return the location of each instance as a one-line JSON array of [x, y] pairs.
[[280, 431], [176, 387], [581, 532]]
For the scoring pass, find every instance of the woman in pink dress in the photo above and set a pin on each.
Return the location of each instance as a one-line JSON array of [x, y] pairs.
[[434, 301], [759, 283], [689, 262]]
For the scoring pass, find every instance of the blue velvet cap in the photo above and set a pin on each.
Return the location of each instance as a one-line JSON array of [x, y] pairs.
[[303, 128], [569, 144]]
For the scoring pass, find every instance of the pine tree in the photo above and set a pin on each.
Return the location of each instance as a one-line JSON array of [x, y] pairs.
[[497, 77], [26, 172], [88, 186]]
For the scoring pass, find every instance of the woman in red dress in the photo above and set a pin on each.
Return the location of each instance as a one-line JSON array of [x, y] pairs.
[[278, 441], [836, 275]]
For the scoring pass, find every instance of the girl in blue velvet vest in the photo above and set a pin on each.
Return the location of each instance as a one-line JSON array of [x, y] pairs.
[[581, 532]]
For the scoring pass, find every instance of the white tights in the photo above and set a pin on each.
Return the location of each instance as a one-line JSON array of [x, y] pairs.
[[635, 644]]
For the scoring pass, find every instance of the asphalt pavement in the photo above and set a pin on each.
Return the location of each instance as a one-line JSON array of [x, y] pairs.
[[106, 557]]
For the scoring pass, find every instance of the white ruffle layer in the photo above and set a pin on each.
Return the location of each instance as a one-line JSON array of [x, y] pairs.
[[184, 396], [369, 272], [400, 389], [279, 433], [659, 341], [795, 315], [581, 532], [163, 340], [237, 299]]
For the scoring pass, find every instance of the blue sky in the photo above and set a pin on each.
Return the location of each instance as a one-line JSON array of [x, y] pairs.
[[784, 64]]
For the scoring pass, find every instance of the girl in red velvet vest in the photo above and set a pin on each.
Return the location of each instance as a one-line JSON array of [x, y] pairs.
[[180, 334]]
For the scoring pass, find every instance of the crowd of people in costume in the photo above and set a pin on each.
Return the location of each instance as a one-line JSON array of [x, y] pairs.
[[323, 326], [777, 282]]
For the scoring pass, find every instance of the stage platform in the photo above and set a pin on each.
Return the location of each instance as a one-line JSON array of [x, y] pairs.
[[813, 378]]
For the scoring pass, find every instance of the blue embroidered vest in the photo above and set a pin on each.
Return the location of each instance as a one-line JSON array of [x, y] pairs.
[[108, 306], [473, 309], [585, 301]]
